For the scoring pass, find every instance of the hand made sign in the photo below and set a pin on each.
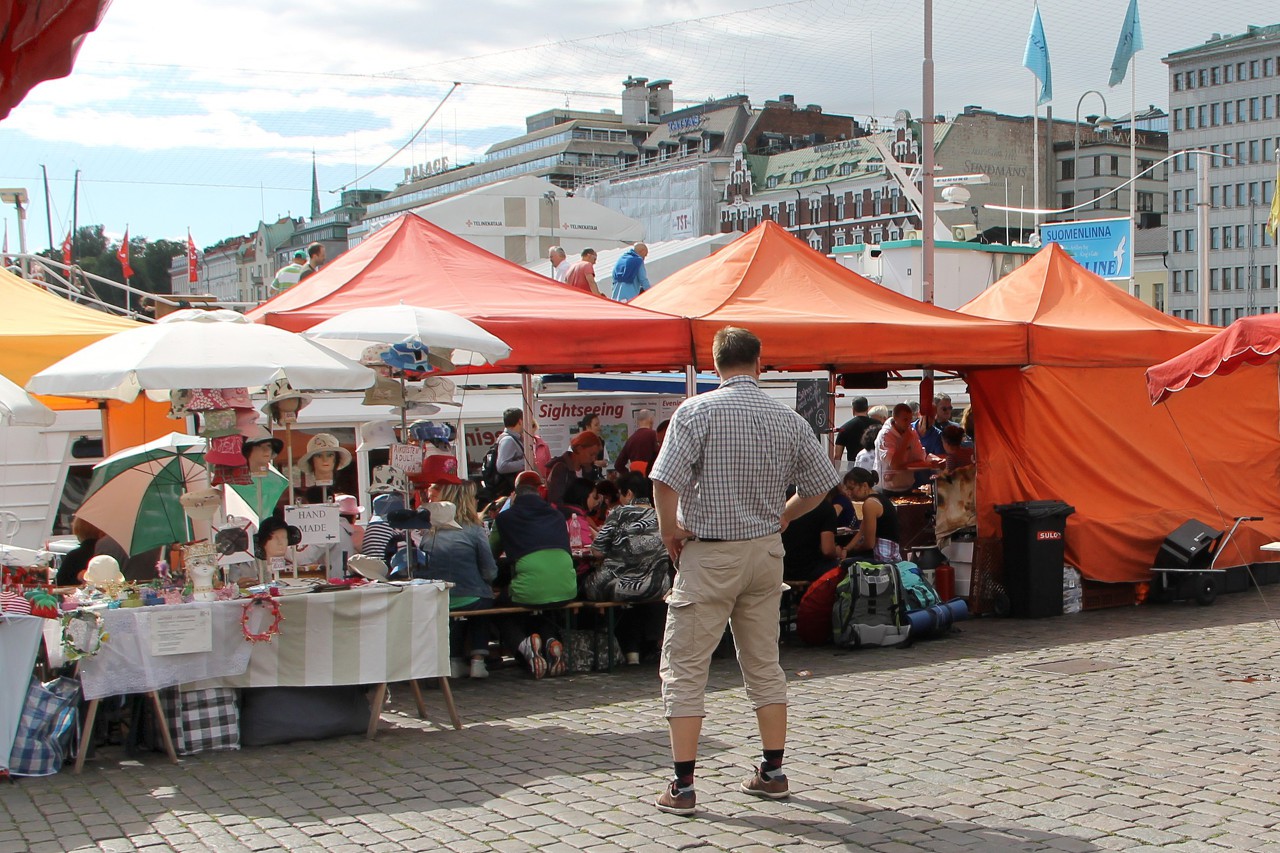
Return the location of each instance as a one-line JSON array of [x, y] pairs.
[[319, 523]]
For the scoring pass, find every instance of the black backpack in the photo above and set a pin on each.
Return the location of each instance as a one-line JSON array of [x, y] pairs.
[[489, 468]]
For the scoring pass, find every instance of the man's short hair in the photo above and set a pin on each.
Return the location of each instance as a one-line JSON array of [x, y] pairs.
[[555, 250], [860, 405], [314, 249], [940, 396], [953, 434], [901, 409], [511, 417], [735, 347], [645, 416], [528, 483], [586, 252]]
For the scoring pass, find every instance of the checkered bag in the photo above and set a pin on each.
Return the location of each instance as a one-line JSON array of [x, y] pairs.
[[46, 728], [202, 720]]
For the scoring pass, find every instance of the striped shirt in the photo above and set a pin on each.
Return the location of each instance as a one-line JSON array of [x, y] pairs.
[[288, 276], [731, 453]]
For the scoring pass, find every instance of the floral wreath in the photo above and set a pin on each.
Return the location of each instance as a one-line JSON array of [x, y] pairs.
[[89, 628], [258, 600]]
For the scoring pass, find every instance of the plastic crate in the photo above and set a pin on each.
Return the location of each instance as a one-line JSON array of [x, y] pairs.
[[1098, 596]]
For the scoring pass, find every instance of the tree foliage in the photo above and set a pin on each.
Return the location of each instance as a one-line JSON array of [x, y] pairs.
[[95, 253]]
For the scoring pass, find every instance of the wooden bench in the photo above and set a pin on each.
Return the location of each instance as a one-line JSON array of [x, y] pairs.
[[570, 609]]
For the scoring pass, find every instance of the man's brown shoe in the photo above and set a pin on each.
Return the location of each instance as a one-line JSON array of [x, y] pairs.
[[773, 789], [674, 801]]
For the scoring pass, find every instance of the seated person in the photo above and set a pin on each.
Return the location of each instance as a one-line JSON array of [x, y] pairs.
[[877, 539], [956, 453], [378, 533], [634, 565], [457, 551], [603, 498], [531, 533], [810, 543], [843, 504], [71, 571], [572, 464]]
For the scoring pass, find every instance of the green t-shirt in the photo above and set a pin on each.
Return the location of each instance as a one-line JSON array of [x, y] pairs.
[[543, 577]]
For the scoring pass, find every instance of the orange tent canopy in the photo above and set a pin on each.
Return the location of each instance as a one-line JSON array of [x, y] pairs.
[[549, 326], [1077, 425], [1077, 318], [812, 313]]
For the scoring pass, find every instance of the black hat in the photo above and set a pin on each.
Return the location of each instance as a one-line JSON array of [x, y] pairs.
[[268, 529]]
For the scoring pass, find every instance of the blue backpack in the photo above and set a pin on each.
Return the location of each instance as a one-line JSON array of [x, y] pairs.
[[917, 593]]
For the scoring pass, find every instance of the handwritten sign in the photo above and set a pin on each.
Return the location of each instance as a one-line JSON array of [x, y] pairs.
[[407, 457], [319, 523], [811, 404], [180, 631]]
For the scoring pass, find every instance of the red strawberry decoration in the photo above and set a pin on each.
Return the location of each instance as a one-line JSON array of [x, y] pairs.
[[43, 603]]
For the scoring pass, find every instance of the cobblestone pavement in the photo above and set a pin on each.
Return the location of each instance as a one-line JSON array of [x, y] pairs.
[[969, 743]]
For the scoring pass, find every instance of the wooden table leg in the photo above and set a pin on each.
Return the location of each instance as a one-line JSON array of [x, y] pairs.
[[163, 724], [448, 703], [86, 734], [417, 697], [375, 710]]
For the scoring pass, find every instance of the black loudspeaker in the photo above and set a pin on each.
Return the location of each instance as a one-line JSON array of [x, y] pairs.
[[1189, 547]]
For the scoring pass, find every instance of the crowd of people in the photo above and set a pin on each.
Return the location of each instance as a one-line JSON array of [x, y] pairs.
[[630, 277]]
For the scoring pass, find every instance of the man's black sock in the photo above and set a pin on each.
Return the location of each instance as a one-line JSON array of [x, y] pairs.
[[772, 766], [684, 774]]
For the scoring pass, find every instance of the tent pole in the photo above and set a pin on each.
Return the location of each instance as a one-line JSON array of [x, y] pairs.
[[526, 403], [831, 414]]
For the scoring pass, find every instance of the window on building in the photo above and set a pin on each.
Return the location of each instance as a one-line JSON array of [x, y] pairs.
[[1202, 115], [1213, 316], [1215, 239], [815, 242], [1191, 198], [846, 168], [1265, 273], [1177, 281], [1189, 237], [1226, 237], [1097, 205], [839, 237], [1177, 119], [1229, 112], [821, 172], [1215, 276], [840, 208], [1241, 107], [1267, 103], [1242, 198], [1191, 79], [1226, 195], [1228, 73], [1203, 75], [1214, 113], [1191, 118], [1177, 241], [1253, 151], [1253, 192], [1255, 109], [1177, 200], [1240, 71], [1068, 168], [1177, 82], [793, 215], [1067, 199], [1241, 152], [771, 182], [877, 236], [1190, 280], [1253, 69], [1239, 278], [1268, 67], [1215, 75], [797, 177]]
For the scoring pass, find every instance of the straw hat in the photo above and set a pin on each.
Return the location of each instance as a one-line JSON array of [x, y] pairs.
[[384, 392], [103, 569], [201, 504], [325, 443], [279, 390]]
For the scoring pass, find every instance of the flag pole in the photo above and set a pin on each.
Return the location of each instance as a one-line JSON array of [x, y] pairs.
[[1133, 173], [1035, 151]]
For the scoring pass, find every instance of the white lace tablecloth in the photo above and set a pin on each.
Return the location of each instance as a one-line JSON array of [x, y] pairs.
[[125, 664]]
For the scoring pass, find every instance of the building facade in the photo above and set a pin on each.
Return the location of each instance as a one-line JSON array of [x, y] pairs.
[[1224, 97]]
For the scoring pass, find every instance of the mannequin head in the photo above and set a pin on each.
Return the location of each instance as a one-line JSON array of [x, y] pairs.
[[277, 544], [285, 411], [259, 457], [322, 465]]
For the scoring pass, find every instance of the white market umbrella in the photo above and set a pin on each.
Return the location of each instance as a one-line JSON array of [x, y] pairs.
[[198, 349], [18, 408], [445, 334]]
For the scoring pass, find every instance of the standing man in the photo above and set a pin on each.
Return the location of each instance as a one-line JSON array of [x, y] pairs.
[[641, 446], [721, 510], [559, 263], [582, 274], [849, 436], [315, 260], [509, 460], [629, 276], [291, 273]]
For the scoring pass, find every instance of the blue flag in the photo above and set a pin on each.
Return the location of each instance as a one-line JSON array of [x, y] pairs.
[[1036, 59], [1129, 44]]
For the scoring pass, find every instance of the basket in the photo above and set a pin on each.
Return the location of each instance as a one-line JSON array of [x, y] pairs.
[[1098, 596]]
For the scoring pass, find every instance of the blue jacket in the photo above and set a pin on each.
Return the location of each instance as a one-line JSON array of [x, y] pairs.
[[629, 277], [530, 524], [462, 557]]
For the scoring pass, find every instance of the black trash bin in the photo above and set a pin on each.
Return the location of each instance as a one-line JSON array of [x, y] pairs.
[[1033, 556]]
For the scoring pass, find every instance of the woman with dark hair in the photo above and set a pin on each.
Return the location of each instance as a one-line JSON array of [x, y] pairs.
[[877, 539], [810, 543], [866, 457], [603, 498]]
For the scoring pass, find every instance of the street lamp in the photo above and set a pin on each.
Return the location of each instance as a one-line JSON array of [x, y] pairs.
[[1102, 123]]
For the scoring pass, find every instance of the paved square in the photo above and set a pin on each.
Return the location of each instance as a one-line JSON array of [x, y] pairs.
[[955, 744]]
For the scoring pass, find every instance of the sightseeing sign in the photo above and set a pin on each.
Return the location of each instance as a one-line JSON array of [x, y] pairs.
[[1102, 246]]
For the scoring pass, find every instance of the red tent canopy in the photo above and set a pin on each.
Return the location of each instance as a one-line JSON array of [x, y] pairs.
[[812, 313], [1080, 319], [550, 327], [1249, 340], [39, 41]]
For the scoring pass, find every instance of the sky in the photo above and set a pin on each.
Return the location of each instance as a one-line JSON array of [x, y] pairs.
[[207, 120]]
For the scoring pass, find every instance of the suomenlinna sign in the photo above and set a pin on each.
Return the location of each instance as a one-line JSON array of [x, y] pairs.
[[1102, 246]]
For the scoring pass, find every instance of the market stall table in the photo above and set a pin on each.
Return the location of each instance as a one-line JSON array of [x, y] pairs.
[[374, 634]]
